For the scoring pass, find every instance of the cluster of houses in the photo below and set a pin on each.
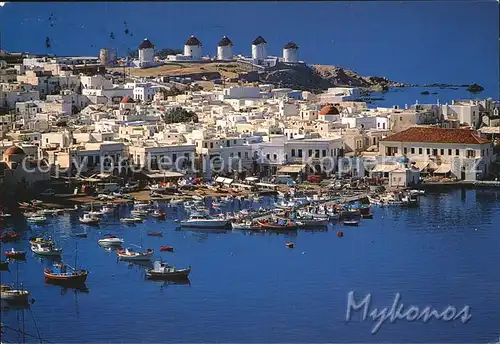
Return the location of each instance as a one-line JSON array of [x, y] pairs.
[[61, 113]]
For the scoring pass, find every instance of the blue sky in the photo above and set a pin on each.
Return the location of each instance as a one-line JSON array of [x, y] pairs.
[[412, 41]]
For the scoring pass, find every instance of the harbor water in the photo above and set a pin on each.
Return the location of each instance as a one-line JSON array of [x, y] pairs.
[[249, 287]]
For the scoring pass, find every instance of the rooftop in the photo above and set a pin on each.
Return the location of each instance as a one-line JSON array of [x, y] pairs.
[[259, 40], [146, 44], [437, 135], [193, 41]]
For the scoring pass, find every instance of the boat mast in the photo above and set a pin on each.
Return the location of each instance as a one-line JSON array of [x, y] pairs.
[[76, 255]]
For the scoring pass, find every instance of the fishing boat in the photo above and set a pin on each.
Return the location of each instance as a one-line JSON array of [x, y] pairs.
[[204, 221], [155, 233], [312, 222], [350, 223], [141, 205], [110, 240], [107, 209], [277, 224], [367, 216], [9, 236], [166, 249], [89, 219], [37, 219], [62, 273], [13, 295], [13, 254], [159, 215], [48, 250], [40, 240], [417, 192], [130, 254], [162, 270]]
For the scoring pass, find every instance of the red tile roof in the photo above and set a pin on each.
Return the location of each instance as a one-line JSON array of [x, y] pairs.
[[437, 135], [329, 110]]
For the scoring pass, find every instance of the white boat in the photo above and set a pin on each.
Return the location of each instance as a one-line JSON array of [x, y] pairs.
[[110, 241], [13, 295], [88, 219], [95, 213], [44, 249], [312, 222], [132, 220], [140, 205], [242, 225], [107, 210], [139, 213], [204, 221], [157, 188], [129, 254], [176, 201], [38, 219], [162, 270], [417, 192]]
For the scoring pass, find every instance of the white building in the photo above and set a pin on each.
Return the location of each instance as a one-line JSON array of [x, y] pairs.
[[259, 51], [144, 91], [339, 94], [442, 151], [240, 92], [146, 53], [290, 52], [192, 48], [225, 49], [156, 156], [465, 113]]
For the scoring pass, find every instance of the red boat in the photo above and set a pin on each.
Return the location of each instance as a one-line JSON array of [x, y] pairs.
[[277, 224], [13, 254], [159, 215], [10, 236], [62, 273], [166, 249]]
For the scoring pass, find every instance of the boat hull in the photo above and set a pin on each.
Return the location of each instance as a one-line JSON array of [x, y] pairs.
[[15, 296], [180, 274], [77, 278], [205, 224], [267, 226]]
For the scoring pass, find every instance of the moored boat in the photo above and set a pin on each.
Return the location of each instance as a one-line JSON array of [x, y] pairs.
[[13, 295], [130, 254], [155, 233], [350, 223], [48, 250], [277, 224], [4, 266], [13, 254], [37, 219], [9, 236], [110, 240], [63, 273], [367, 216], [205, 221], [89, 219], [132, 220], [162, 270], [247, 225], [159, 215]]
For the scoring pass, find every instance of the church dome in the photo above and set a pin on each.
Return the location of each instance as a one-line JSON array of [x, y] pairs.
[[329, 110], [127, 100], [14, 150]]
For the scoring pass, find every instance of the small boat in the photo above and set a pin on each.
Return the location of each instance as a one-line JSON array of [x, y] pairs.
[[159, 215], [367, 216], [81, 235], [46, 250], [313, 222], [63, 273], [416, 192], [107, 210], [162, 270], [13, 295], [13, 254], [40, 240], [242, 225], [350, 223], [166, 249], [204, 221], [4, 266], [139, 213], [340, 234], [176, 201], [132, 220], [36, 202], [141, 205], [110, 240], [89, 219], [155, 233], [37, 219], [277, 224], [9, 236], [129, 254], [290, 244]]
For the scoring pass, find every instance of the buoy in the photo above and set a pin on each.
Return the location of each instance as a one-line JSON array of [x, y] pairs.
[[340, 234]]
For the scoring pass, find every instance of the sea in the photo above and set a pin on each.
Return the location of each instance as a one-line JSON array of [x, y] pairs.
[[249, 287]]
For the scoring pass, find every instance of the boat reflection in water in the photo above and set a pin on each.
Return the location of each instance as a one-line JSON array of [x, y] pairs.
[[165, 283], [139, 263], [75, 286], [14, 305]]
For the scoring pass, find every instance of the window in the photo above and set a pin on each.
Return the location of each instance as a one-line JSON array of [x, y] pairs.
[[434, 152], [331, 152], [299, 153], [275, 157], [246, 155], [457, 152], [442, 151], [239, 154], [293, 152], [428, 151], [268, 156], [211, 145], [174, 157], [231, 154], [324, 152], [310, 152], [405, 151], [482, 152], [395, 150], [420, 151], [449, 151], [412, 150], [228, 143], [234, 141], [317, 153]]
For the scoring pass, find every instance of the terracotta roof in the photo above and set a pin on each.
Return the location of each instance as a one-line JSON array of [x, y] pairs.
[[146, 44], [193, 41], [259, 40], [291, 45], [127, 100], [225, 42], [329, 110], [14, 150], [437, 135]]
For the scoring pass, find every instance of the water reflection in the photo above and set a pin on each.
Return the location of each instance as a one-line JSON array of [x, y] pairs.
[[165, 283], [66, 286]]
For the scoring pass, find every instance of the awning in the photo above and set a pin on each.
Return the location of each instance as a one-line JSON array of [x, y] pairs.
[[443, 169], [385, 168], [251, 179], [244, 186], [267, 185], [291, 169], [227, 181], [219, 179], [166, 174], [421, 165]]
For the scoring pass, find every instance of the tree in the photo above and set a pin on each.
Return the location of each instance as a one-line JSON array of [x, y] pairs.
[[179, 115], [163, 53]]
